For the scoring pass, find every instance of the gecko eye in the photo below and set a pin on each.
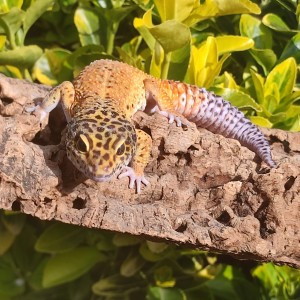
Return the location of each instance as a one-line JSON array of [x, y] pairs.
[[121, 149], [81, 143]]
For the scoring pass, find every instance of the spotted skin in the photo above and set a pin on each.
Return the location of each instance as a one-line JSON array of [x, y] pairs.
[[101, 140]]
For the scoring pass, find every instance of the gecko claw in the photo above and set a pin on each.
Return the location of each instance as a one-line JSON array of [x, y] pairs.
[[172, 118], [134, 179]]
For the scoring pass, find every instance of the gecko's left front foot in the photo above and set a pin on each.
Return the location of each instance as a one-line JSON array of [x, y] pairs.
[[134, 178]]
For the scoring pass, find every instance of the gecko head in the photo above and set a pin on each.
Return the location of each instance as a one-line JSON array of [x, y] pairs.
[[100, 147]]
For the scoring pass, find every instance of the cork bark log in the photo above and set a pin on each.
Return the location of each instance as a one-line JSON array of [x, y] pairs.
[[206, 191]]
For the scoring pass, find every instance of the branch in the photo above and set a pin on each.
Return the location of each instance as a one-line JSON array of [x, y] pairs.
[[206, 191]]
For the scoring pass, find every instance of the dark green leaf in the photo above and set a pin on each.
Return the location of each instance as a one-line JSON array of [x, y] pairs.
[[59, 237], [67, 266]]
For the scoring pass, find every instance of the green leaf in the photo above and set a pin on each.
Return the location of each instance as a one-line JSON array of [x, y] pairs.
[[88, 26], [124, 240], [156, 247], [171, 35], [230, 7], [292, 48], [114, 286], [261, 121], [275, 22], [177, 10], [158, 293], [67, 266], [284, 76], [253, 28], [11, 284], [22, 57], [6, 240], [49, 68], [132, 264], [6, 6], [258, 82], [35, 10], [10, 23], [238, 98], [231, 43], [266, 58], [14, 223], [59, 237]]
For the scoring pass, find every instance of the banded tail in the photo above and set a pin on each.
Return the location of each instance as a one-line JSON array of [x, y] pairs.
[[211, 112]]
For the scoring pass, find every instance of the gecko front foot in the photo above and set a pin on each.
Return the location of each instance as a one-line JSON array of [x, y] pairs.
[[37, 111], [134, 178]]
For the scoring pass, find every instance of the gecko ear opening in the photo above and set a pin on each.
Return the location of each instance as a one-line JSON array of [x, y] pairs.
[[81, 143]]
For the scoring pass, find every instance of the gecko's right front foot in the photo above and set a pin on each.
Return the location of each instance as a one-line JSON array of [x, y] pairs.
[[134, 179]]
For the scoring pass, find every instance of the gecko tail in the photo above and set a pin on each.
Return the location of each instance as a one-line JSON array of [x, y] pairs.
[[219, 116]]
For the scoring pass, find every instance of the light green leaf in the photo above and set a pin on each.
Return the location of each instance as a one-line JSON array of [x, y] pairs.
[[67, 266], [231, 43], [261, 121], [35, 10], [253, 28], [88, 26], [177, 10], [21, 57], [58, 238], [238, 98], [6, 5], [171, 35], [283, 76], [275, 22], [258, 82]]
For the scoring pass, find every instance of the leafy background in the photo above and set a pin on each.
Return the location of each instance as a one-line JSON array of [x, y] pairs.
[[248, 52]]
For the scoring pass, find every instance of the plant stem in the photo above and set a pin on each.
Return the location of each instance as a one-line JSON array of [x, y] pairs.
[[165, 65]]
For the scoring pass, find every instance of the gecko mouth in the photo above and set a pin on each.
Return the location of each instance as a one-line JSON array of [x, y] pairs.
[[101, 178]]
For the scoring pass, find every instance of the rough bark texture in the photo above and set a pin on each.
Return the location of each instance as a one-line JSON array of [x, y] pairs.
[[206, 191]]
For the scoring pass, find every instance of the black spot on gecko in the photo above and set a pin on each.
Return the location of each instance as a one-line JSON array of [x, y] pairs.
[[98, 136], [100, 129]]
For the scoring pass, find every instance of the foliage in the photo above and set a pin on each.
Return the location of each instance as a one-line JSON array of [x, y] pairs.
[[246, 52], [52, 260]]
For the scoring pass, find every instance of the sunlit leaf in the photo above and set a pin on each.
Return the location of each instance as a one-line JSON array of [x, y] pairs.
[[266, 58], [238, 98], [258, 82], [230, 7], [283, 76], [21, 57], [6, 5], [177, 10], [231, 43], [171, 35], [275, 22], [253, 28], [88, 26], [261, 121]]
